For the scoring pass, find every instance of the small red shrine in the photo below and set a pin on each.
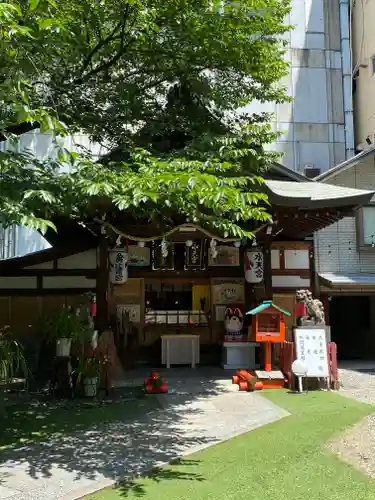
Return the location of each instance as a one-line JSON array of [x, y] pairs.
[[268, 326]]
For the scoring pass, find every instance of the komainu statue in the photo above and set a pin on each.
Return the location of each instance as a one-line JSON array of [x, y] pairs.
[[314, 308]]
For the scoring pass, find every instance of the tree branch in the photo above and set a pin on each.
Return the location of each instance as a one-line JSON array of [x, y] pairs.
[[103, 43], [97, 47]]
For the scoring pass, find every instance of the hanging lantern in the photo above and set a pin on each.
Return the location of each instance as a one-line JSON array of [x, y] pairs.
[[213, 248], [118, 260], [254, 266], [93, 305], [164, 248]]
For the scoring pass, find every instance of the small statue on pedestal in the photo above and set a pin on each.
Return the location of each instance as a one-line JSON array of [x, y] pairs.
[[233, 324], [314, 309]]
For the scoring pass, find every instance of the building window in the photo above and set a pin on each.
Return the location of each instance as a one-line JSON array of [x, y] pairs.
[[366, 227], [175, 304], [372, 65]]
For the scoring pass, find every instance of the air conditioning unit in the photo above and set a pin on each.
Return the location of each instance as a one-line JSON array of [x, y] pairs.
[[310, 171]]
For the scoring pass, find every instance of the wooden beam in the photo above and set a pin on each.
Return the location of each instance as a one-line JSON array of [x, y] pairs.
[[303, 273], [291, 245], [268, 290], [325, 301], [314, 276], [20, 292], [178, 280], [50, 254], [39, 282], [88, 273], [281, 260], [214, 272], [102, 282]]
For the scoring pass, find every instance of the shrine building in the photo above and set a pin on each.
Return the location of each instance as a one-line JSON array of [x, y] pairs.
[[148, 282]]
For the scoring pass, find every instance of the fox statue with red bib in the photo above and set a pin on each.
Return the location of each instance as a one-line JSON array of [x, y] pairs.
[[233, 324]]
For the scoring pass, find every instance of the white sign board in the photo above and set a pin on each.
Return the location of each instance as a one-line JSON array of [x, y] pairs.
[[311, 349]]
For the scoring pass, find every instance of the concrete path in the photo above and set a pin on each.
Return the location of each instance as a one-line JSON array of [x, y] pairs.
[[197, 413]]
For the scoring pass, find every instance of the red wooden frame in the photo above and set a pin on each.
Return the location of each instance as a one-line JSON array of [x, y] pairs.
[[288, 355]]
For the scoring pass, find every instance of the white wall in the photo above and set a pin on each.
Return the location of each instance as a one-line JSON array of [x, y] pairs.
[[363, 44], [44, 145], [336, 245], [17, 241], [313, 124]]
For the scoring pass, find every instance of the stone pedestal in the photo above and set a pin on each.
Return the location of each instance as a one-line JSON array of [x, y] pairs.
[[239, 355], [62, 384]]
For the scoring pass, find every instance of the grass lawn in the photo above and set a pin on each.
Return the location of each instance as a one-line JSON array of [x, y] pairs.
[[286, 460], [29, 422]]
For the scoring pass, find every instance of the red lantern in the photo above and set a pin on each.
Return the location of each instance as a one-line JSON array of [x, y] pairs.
[[93, 309]]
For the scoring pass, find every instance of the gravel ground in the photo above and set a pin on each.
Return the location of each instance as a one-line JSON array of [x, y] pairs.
[[357, 445], [356, 384]]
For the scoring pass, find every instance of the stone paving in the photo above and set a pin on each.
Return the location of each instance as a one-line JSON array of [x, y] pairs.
[[202, 409]]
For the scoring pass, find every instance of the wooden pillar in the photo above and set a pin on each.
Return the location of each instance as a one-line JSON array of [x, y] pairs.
[[267, 268], [249, 288], [249, 296], [102, 286], [267, 356], [325, 300], [315, 288]]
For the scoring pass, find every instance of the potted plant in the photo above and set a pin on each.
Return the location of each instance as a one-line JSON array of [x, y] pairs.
[[64, 327], [12, 358], [88, 372]]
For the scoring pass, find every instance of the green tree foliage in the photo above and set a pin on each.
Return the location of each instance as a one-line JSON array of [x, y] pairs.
[[160, 84]]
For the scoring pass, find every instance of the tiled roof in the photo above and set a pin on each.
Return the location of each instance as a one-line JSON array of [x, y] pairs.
[[351, 162], [354, 280], [314, 194]]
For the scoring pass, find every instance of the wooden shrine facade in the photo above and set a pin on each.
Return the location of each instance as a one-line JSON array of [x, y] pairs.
[[177, 282]]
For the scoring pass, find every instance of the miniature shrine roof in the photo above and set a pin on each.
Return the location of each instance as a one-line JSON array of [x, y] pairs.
[[266, 305]]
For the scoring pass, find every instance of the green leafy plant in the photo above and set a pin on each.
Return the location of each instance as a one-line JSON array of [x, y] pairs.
[[12, 359], [65, 324], [88, 368], [159, 84]]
